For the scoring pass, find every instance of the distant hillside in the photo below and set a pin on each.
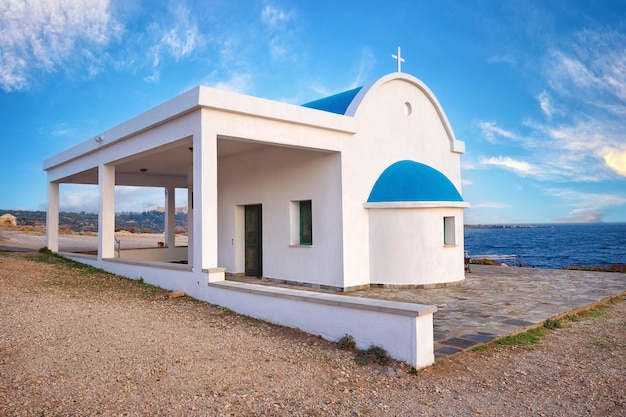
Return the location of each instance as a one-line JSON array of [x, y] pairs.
[[147, 221]]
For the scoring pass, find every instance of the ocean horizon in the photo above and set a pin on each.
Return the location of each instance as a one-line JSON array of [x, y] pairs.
[[550, 245]]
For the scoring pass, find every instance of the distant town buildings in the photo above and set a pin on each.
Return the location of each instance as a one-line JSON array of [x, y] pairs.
[[183, 209]]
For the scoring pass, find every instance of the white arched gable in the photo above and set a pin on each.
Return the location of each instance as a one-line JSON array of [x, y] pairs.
[[455, 145]]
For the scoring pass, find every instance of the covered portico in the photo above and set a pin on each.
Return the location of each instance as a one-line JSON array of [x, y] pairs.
[[179, 145], [164, 167]]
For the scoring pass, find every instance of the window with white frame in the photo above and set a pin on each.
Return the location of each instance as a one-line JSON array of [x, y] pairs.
[[301, 223], [449, 231]]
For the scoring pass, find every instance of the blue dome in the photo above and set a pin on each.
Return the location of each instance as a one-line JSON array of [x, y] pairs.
[[412, 181], [335, 104]]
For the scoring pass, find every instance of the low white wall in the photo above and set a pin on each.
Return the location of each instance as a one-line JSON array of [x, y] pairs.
[[404, 330], [175, 254], [164, 275]]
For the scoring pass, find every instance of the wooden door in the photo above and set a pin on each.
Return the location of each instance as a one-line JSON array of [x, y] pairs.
[[253, 252]]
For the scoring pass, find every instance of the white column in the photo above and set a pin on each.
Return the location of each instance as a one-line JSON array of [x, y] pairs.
[[190, 232], [205, 203], [170, 217], [52, 217], [106, 216]]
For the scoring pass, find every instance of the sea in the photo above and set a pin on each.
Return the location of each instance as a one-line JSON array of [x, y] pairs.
[[551, 245]]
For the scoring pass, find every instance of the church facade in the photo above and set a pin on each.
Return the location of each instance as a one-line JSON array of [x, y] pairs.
[[358, 189]]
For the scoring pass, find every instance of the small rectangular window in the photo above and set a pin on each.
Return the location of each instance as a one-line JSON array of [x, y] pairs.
[[301, 223], [306, 223], [449, 232]]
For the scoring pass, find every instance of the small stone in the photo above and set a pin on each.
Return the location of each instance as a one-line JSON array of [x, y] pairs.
[[177, 294]]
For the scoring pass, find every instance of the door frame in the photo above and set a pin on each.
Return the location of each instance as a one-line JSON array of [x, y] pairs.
[[258, 212]]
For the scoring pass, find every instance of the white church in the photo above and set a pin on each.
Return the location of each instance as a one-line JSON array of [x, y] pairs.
[[356, 190]]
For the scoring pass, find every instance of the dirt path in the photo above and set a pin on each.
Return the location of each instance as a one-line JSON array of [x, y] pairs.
[[32, 238], [79, 342]]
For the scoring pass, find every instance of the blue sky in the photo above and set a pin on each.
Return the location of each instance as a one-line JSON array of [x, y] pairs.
[[536, 89]]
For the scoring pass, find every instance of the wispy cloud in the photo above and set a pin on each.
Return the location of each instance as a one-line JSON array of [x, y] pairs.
[[77, 198], [62, 130], [506, 58], [240, 83], [586, 207], [522, 168], [276, 18], [367, 60], [590, 69], [46, 36], [81, 39], [588, 149], [616, 160], [80, 197], [583, 216], [279, 24], [177, 37], [138, 198], [181, 42], [492, 132], [179, 34], [546, 104], [583, 199], [584, 98]]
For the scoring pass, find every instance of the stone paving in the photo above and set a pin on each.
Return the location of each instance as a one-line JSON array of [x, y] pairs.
[[496, 301]]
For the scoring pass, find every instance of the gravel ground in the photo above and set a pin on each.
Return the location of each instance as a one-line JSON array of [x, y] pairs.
[[78, 342]]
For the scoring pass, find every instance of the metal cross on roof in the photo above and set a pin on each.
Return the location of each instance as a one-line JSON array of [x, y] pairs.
[[399, 59]]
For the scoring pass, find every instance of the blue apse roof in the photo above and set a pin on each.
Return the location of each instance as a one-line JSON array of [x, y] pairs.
[[412, 181], [335, 104]]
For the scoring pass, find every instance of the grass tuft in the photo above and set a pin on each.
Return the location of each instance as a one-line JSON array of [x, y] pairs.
[[480, 348], [346, 343], [598, 268], [48, 257], [88, 278], [528, 338], [374, 354], [552, 324]]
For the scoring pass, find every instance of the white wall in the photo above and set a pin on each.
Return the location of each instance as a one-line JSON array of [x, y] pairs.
[[275, 176], [387, 134], [175, 254], [407, 246], [404, 330]]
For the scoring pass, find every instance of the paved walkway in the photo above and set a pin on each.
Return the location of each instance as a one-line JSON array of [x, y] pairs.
[[496, 301]]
